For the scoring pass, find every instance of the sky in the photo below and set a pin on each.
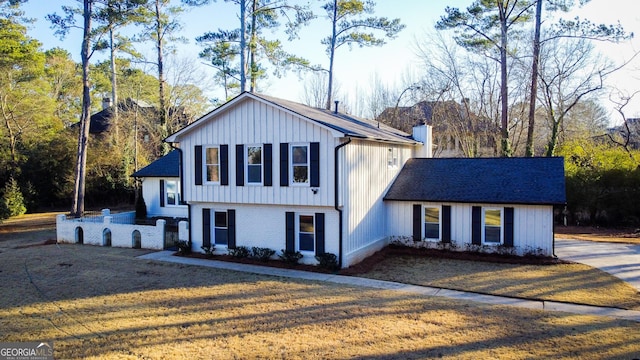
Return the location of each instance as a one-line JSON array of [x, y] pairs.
[[355, 68]]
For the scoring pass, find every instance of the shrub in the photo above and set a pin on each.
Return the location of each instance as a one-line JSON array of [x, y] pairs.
[[290, 257], [184, 247], [12, 202], [262, 254], [239, 252], [141, 207], [328, 261], [209, 249]]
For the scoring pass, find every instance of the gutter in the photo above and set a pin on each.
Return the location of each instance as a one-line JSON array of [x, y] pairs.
[[336, 187], [181, 177]]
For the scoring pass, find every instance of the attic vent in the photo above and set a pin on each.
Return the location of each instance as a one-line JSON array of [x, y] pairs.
[[336, 110]]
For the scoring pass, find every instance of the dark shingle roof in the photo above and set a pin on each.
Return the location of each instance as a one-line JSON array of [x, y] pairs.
[[166, 166], [537, 181]]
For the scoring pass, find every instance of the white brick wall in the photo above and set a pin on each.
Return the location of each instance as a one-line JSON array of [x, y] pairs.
[[94, 232]]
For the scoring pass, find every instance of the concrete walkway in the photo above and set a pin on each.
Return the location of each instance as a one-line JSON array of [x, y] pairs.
[[389, 285], [619, 260]]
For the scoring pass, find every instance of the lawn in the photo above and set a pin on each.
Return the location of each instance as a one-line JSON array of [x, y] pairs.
[[95, 302]]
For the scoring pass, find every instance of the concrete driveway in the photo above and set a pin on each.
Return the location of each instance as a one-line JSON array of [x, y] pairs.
[[620, 260]]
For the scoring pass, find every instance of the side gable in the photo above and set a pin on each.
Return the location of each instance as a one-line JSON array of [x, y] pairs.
[[534, 181]]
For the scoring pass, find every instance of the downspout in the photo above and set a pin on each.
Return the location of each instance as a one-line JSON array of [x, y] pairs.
[[336, 187], [181, 177]]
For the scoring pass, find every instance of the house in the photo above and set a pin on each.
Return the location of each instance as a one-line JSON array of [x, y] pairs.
[[161, 187], [457, 131], [264, 172]]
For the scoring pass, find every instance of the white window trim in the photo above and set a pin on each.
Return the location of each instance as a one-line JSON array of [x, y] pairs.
[[246, 165], [205, 164], [395, 158], [291, 174], [298, 215], [424, 231], [166, 193], [213, 228], [484, 209]]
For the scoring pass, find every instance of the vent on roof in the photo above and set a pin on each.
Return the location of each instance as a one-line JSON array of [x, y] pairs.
[[336, 110]]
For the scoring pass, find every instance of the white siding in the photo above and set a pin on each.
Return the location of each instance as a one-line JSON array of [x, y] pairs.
[[367, 178], [264, 226], [533, 224], [151, 195], [253, 122]]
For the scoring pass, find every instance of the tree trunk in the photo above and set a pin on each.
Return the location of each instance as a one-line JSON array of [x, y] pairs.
[[77, 208], [161, 81], [252, 48], [504, 90], [530, 150], [243, 46], [114, 86], [334, 21]]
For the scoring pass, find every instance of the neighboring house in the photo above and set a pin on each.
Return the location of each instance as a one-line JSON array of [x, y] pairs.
[[161, 188], [266, 172], [473, 203], [457, 132]]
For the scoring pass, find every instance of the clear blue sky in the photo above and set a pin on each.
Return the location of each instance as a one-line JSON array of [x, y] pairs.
[[355, 68]]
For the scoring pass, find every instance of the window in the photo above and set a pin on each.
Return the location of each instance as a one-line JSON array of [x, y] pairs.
[[432, 223], [392, 157], [300, 164], [306, 233], [172, 194], [492, 226], [212, 164], [220, 228], [254, 164]]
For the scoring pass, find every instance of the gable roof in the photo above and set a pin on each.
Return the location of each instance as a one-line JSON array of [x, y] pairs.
[[166, 166], [339, 123], [536, 181]]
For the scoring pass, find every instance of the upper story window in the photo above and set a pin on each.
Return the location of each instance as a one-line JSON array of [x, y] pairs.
[[432, 223], [212, 164], [392, 157], [171, 193], [299, 164], [492, 222], [254, 164]]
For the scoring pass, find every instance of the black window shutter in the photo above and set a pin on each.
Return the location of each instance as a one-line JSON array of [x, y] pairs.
[[206, 227], [161, 193], [417, 222], [319, 233], [284, 164], [315, 164], [224, 164], [268, 164], [446, 224], [231, 229], [240, 165], [197, 155], [476, 225], [291, 232], [508, 226]]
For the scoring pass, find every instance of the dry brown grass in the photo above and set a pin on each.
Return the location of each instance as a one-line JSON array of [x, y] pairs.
[[98, 302], [590, 233]]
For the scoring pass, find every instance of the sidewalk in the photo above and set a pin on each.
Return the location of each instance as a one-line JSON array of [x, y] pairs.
[[390, 285]]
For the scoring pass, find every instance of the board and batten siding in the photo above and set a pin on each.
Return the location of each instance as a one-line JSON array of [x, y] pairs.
[[366, 178], [533, 224], [253, 122], [151, 194]]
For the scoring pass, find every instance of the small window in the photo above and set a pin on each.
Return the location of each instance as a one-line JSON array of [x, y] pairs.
[[306, 233], [300, 164], [220, 228], [493, 226], [392, 157], [212, 164], [432, 223], [254, 164], [172, 194]]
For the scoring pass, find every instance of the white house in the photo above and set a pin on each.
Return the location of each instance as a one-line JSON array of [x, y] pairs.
[[266, 172]]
